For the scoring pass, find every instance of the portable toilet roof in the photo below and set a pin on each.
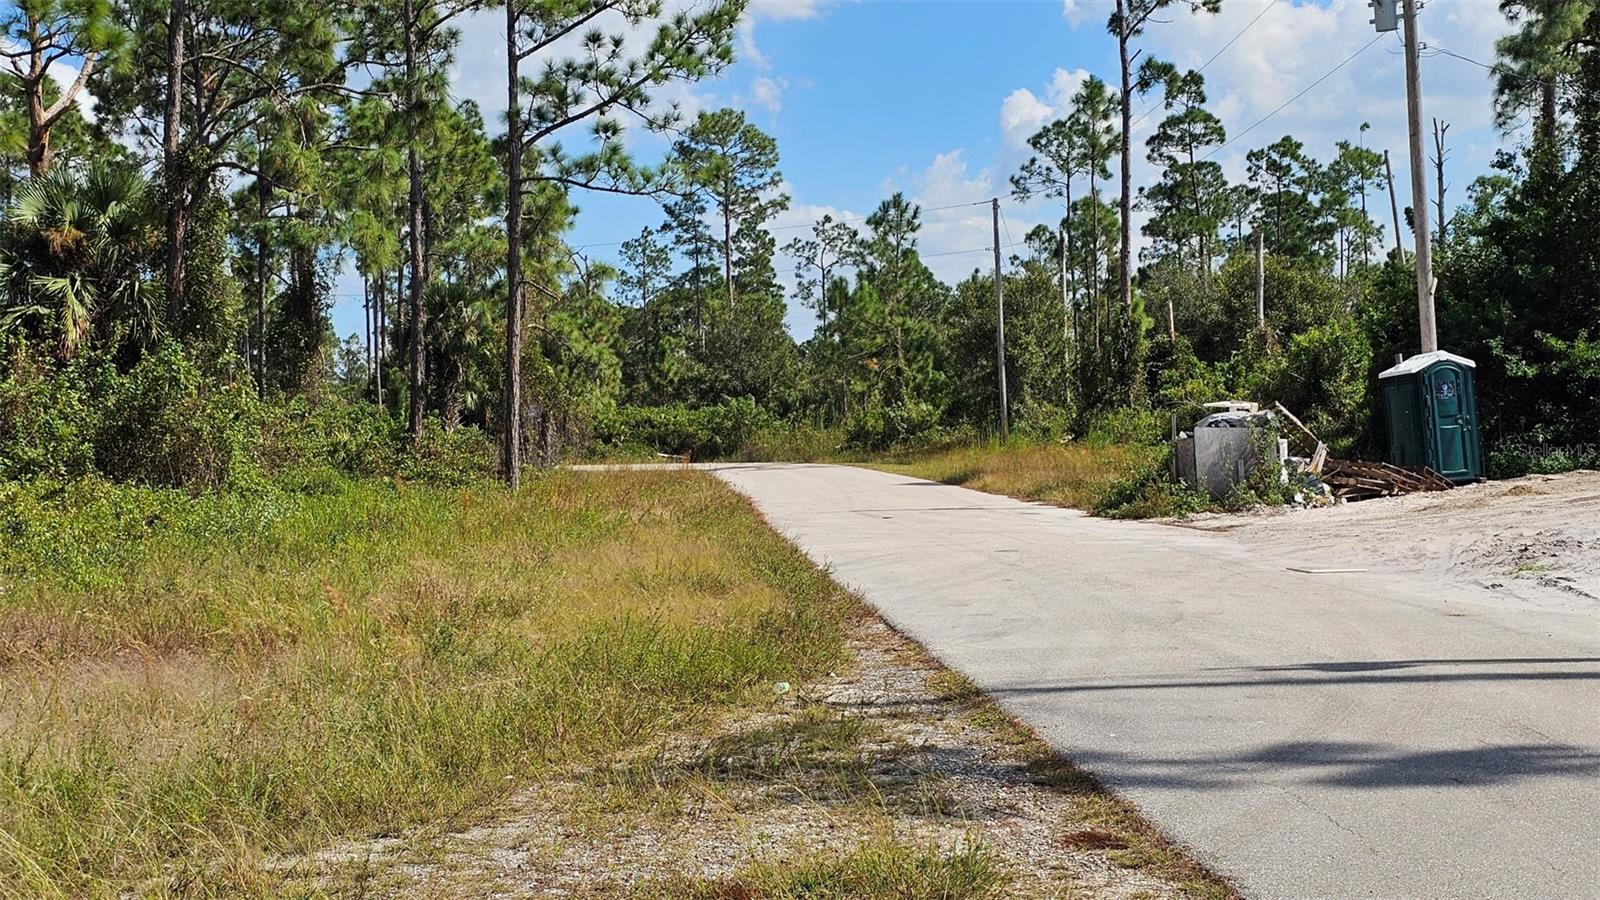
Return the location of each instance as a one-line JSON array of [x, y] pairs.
[[1423, 360]]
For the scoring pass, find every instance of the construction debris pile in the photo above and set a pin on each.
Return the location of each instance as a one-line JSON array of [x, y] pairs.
[[1353, 480], [1340, 480], [1223, 448]]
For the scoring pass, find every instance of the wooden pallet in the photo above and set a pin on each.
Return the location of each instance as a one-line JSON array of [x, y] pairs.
[[1356, 480]]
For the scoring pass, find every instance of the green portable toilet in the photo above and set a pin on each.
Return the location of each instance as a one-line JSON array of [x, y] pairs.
[[1430, 406]]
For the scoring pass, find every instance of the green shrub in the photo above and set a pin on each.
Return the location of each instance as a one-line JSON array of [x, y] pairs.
[[46, 419], [1127, 425], [728, 429], [1150, 493], [794, 443], [355, 438], [449, 456], [881, 428], [166, 424], [1513, 459]]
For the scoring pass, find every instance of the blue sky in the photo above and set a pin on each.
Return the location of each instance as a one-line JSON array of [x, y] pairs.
[[936, 98]]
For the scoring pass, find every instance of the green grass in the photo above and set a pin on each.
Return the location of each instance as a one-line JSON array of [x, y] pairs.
[[1077, 475], [191, 687]]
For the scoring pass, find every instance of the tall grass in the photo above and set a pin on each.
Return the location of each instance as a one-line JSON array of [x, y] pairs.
[[1078, 475], [190, 688]]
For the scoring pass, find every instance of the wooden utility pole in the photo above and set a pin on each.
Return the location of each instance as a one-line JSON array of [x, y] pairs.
[[1394, 207], [1261, 281], [1000, 326], [1419, 183]]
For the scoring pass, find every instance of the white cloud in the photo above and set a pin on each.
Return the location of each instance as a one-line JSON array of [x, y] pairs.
[[784, 10], [1063, 84], [1021, 114], [1077, 11], [1294, 44], [767, 93], [748, 50], [957, 225]]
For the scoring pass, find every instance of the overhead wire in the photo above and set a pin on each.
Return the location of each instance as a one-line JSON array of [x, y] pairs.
[[1303, 91], [1203, 66], [843, 221]]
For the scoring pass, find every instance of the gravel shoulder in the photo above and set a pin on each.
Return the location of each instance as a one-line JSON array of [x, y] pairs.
[[896, 751]]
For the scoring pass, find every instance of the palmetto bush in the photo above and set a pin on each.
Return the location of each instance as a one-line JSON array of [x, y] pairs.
[[76, 257]]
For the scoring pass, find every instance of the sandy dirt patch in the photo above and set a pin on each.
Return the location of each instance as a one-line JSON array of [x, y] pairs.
[[1533, 540]]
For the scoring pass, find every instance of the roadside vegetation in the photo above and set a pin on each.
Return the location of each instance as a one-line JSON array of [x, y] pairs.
[[193, 686], [1075, 475], [316, 685]]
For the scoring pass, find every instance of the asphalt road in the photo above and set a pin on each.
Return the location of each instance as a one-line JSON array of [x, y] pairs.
[[1332, 735]]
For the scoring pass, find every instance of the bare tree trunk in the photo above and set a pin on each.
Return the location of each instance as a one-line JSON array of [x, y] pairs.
[[1394, 207], [380, 340], [1066, 303], [511, 459], [177, 226], [822, 297], [1093, 262], [366, 323], [1439, 156], [414, 204], [727, 257], [263, 269]]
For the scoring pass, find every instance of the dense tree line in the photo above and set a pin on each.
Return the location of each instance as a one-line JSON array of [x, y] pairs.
[[240, 154]]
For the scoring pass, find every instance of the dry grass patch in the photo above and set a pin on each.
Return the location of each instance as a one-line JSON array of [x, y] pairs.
[[1074, 475]]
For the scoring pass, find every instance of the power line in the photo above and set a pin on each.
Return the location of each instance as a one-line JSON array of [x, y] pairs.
[[1236, 37], [1203, 66], [1436, 50], [1285, 105], [844, 221]]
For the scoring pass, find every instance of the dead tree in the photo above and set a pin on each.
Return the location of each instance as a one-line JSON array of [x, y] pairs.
[[1440, 154]]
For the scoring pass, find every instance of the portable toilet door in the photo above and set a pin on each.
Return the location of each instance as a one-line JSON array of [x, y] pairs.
[[1431, 410], [1453, 429]]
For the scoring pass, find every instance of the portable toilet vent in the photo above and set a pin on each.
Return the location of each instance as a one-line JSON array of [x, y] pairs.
[[1430, 406]]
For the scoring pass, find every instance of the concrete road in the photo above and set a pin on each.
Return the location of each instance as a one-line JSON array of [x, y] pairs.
[[1306, 735]]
